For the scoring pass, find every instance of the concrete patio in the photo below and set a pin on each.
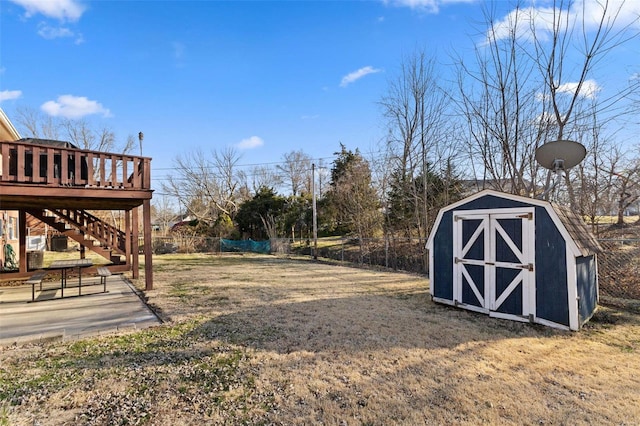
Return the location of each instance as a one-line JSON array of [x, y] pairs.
[[50, 317]]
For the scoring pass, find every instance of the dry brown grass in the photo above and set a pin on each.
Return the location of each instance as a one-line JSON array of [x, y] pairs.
[[265, 340]]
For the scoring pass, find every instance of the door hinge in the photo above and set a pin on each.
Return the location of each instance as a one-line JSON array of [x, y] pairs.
[[528, 266], [526, 216]]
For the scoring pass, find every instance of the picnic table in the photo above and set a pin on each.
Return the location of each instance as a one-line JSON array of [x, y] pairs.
[[64, 266], [68, 265]]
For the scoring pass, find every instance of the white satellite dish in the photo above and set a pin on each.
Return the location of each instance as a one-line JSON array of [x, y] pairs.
[[557, 156], [560, 155]]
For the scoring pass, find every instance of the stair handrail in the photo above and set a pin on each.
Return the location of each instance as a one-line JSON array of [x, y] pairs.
[[118, 240]]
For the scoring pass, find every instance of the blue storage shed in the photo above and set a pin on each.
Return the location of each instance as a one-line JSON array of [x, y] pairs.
[[516, 258]]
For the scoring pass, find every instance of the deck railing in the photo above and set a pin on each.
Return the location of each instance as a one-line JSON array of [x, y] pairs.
[[57, 166]]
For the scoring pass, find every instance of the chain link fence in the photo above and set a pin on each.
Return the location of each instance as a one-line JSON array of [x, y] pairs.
[[618, 263], [405, 254], [619, 268]]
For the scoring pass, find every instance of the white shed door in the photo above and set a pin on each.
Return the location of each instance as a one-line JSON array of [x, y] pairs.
[[494, 262]]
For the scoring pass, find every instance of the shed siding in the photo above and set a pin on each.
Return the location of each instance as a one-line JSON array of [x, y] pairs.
[[551, 271], [587, 287], [443, 258]]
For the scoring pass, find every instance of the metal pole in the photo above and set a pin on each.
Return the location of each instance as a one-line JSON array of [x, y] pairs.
[[140, 138], [315, 214]]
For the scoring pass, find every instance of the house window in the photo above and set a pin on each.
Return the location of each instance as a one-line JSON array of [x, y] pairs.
[[1, 227]]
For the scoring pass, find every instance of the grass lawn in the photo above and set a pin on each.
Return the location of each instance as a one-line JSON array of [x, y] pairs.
[[265, 340]]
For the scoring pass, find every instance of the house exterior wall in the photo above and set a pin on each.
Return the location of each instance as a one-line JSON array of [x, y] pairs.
[[8, 235], [8, 219]]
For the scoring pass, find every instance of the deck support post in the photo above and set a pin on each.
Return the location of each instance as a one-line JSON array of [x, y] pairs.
[[127, 238], [22, 241], [148, 252], [135, 262]]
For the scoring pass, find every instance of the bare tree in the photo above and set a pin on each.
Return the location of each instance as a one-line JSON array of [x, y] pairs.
[[81, 133], [533, 82], [36, 124], [498, 101], [164, 212], [296, 171], [588, 33], [207, 187], [625, 183], [264, 176], [415, 107], [593, 184]]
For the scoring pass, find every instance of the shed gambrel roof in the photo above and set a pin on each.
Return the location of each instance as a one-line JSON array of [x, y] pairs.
[[575, 231], [578, 229]]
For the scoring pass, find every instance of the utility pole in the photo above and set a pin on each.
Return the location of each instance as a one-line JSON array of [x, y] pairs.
[[315, 214]]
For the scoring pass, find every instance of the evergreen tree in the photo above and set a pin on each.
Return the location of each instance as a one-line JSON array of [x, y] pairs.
[[351, 205], [265, 203]]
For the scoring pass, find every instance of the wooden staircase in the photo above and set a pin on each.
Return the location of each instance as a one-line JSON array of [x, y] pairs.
[[87, 229]]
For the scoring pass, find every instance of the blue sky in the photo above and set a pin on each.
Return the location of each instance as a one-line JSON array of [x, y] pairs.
[[265, 77]]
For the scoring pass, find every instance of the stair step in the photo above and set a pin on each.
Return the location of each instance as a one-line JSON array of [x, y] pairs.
[[79, 225]]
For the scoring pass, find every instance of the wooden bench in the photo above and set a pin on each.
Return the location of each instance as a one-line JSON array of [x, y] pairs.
[[36, 279], [104, 273]]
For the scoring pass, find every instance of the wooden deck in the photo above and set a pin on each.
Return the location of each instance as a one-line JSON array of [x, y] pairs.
[[55, 179], [71, 178]]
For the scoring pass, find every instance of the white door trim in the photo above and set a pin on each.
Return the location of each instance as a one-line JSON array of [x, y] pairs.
[[489, 301]]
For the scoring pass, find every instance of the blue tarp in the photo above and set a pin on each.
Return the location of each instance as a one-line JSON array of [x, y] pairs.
[[245, 245]]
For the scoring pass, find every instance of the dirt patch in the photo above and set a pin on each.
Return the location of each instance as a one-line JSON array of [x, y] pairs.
[[267, 340]]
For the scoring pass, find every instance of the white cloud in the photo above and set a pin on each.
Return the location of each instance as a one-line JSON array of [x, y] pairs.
[[519, 23], [310, 117], [48, 32], [538, 21], [250, 143], [356, 75], [544, 120], [425, 6], [62, 10], [70, 106], [588, 90], [7, 95]]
